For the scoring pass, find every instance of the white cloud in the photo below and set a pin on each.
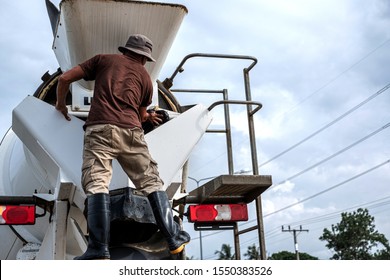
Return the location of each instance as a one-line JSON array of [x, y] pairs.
[[283, 189]]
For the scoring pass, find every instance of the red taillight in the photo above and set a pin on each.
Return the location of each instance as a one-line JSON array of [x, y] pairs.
[[17, 214], [218, 213]]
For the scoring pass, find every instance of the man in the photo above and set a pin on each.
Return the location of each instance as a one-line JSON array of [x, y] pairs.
[[123, 90]]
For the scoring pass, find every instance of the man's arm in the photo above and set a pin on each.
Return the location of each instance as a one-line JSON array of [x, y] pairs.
[[64, 81]]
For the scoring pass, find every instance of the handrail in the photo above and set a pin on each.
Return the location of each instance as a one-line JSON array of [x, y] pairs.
[[254, 111], [168, 82]]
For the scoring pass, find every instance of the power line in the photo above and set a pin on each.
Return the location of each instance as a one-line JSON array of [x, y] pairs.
[[329, 189], [376, 94], [271, 239], [328, 158], [322, 161], [276, 231], [328, 125], [369, 205], [339, 118], [317, 194], [333, 155], [326, 190], [329, 216], [375, 204], [340, 74]]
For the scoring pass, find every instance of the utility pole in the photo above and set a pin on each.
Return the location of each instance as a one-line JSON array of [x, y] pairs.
[[294, 231]]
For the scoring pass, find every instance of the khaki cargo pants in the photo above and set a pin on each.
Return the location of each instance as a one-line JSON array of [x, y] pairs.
[[102, 144]]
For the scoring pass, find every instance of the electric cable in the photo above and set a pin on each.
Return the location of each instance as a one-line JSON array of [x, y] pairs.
[[332, 156], [315, 195], [329, 189], [318, 219], [273, 233], [376, 94], [339, 75], [325, 127]]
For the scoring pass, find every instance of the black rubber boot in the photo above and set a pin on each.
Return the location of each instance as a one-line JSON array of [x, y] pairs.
[[162, 211], [98, 227]]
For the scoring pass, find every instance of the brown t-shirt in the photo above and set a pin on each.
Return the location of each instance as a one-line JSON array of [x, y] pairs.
[[122, 85]]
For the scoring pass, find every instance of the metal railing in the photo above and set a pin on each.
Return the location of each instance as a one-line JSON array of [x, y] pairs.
[[168, 83]]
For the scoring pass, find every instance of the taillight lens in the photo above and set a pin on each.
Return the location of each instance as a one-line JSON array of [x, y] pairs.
[[17, 214], [218, 213]]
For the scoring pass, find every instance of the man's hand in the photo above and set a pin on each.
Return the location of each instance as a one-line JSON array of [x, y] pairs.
[[155, 118], [64, 110]]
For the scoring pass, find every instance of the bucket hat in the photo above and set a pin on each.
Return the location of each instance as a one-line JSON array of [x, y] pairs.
[[139, 44]]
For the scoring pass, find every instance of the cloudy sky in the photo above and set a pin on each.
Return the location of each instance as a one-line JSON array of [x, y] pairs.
[[322, 77]]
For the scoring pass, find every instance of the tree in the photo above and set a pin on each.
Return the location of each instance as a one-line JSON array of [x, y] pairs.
[[355, 238], [225, 253], [285, 255], [252, 253]]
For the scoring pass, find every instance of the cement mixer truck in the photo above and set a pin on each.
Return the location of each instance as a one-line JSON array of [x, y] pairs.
[[41, 198]]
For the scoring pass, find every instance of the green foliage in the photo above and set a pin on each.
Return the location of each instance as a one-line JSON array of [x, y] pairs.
[[225, 253], [355, 238], [252, 253], [285, 255]]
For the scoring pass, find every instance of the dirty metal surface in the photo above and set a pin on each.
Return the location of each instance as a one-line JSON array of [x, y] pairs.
[[232, 189]]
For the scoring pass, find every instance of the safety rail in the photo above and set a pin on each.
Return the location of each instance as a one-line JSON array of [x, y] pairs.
[[251, 113], [168, 83]]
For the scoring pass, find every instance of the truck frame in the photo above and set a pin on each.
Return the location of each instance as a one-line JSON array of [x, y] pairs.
[[42, 208]]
